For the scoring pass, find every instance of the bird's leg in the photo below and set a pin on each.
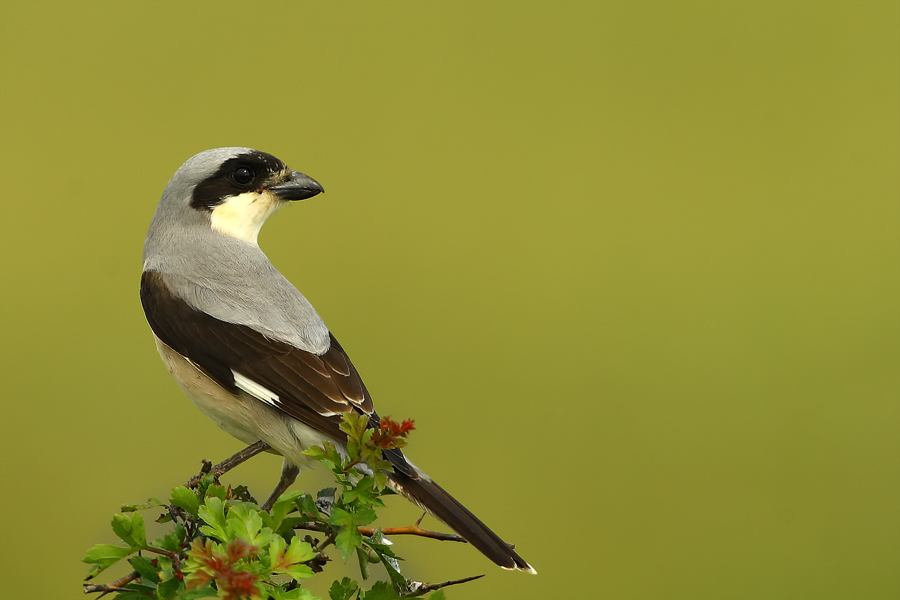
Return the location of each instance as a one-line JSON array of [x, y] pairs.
[[289, 473]]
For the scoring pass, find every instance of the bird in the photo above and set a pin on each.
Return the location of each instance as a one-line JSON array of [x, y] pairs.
[[246, 346]]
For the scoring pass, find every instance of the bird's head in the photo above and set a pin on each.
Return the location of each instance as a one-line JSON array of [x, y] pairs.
[[237, 189]]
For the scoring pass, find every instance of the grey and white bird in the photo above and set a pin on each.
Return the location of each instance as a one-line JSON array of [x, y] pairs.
[[248, 348]]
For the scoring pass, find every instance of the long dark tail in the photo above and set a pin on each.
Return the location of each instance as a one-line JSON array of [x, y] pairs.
[[431, 497]]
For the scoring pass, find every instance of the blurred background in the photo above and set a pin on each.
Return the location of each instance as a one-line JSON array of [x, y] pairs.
[[634, 268]]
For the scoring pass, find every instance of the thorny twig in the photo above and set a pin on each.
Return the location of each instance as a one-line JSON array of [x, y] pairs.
[[113, 586], [420, 589], [228, 464]]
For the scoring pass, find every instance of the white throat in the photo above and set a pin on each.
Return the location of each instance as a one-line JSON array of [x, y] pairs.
[[242, 216]]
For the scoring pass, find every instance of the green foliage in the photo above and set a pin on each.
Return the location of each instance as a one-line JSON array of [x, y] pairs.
[[221, 544]]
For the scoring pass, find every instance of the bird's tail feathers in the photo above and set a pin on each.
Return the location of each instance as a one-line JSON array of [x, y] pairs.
[[433, 498]]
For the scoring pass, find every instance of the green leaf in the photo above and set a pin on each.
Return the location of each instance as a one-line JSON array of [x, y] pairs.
[[276, 553], [106, 552], [185, 499], [168, 588], [343, 589], [363, 492], [316, 452], [349, 537], [130, 529], [290, 560], [244, 522], [149, 591], [243, 494], [362, 557], [308, 506], [213, 513], [382, 590], [205, 481], [298, 572], [287, 526], [295, 594], [172, 541], [392, 566], [284, 505], [438, 595], [144, 566], [364, 516], [217, 491], [207, 591], [347, 541], [104, 555], [135, 595], [299, 552]]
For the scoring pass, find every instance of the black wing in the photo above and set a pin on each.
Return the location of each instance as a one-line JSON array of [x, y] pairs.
[[314, 389]]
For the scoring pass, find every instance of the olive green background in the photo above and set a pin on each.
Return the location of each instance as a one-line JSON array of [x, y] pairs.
[[633, 267]]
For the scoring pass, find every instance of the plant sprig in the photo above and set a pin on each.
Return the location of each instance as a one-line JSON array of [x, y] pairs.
[[221, 544]]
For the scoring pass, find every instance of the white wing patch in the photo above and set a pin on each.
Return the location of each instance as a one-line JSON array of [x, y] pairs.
[[260, 392]]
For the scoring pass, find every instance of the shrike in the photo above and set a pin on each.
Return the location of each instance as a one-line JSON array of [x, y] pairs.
[[244, 345]]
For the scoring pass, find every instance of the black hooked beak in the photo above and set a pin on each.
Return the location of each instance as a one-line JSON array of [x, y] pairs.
[[298, 187]]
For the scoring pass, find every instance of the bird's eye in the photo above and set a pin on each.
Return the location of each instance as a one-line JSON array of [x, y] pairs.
[[243, 176]]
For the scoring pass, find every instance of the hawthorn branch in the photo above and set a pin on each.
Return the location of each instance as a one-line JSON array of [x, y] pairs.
[[326, 542], [420, 589], [113, 586], [227, 464]]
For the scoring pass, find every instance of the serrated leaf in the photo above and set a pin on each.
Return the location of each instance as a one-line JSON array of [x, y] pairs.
[[204, 483], [284, 505], [207, 591], [298, 572], [172, 541], [363, 492], [104, 555], [185, 499], [103, 552], [299, 552], [244, 522], [343, 589], [288, 560], [135, 595], [213, 514], [392, 566], [276, 553], [349, 537], [287, 526], [130, 529], [364, 516], [382, 590], [168, 589], [316, 452], [307, 505], [148, 590], [243, 494], [296, 594], [144, 566], [217, 491]]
